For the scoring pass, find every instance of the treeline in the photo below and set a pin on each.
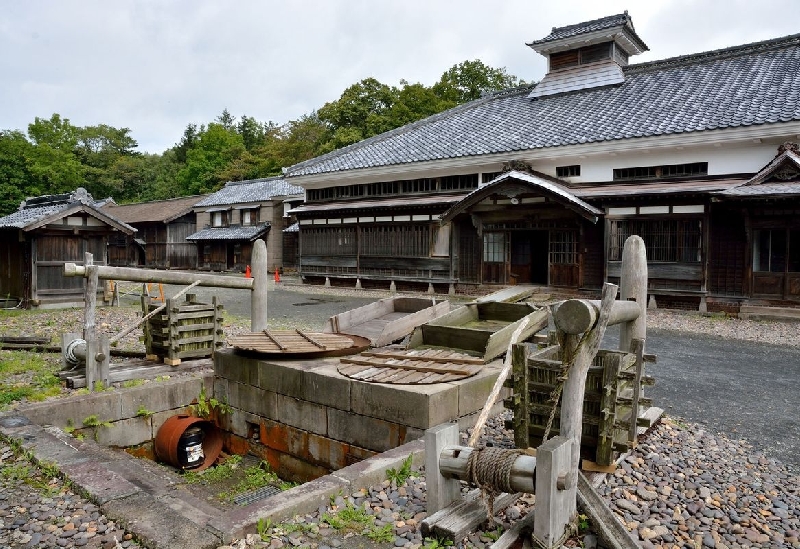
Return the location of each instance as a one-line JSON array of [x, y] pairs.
[[55, 156]]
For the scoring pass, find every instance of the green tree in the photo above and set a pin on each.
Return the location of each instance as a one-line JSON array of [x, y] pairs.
[[146, 177], [469, 80], [414, 102], [190, 136], [360, 112], [98, 149], [216, 147], [53, 165], [15, 178], [298, 140]]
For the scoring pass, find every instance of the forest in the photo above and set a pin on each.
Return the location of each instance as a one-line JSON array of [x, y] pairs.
[[55, 156]]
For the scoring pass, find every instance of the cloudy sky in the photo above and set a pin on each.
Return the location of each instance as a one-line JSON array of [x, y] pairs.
[[155, 66]]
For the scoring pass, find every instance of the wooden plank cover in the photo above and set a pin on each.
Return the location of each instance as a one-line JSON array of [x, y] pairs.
[[291, 342], [413, 367]]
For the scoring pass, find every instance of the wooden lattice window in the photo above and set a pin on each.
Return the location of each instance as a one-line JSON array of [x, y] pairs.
[[568, 171], [563, 247], [331, 241], [668, 240], [396, 240], [667, 171], [494, 247]]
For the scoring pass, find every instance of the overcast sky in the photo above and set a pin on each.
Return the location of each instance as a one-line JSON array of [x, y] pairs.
[[155, 66]]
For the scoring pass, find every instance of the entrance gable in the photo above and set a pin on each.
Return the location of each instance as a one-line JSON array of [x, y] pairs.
[[515, 183]]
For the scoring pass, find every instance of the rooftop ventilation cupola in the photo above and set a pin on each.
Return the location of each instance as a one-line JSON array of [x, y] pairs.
[[587, 55]]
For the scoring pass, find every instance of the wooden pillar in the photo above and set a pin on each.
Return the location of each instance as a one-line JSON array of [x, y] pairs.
[[258, 298], [556, 491], [521, 396], [441, 491], [578, 353], [633, 287], [90, 297]]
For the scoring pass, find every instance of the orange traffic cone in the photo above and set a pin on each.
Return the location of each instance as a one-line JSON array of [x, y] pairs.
[[277, 275], [247, 272]]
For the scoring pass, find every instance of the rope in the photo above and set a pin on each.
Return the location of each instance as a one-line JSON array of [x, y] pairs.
[[489, 468]]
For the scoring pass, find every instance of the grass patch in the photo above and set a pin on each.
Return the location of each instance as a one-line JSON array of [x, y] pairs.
[[232, 479], [401, 475], [27, 375]]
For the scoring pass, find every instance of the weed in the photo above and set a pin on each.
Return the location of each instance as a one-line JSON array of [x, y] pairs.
[[583, 523], [144, 412], [400, 476], [254, 477], [205, 407], [384, 534], [70, 428], [213, 474], [162, 378], [436, 543], [94, 423], [264, 527], [350, 518], [130, 383], [495, 534]]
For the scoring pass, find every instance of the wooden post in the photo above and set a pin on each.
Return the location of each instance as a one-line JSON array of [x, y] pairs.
[[633, 288], [90, 298], [555, 491], [92, 370], [608, 405], [441, 491], [258, 299], [578, 355], [521, 396], [103, 359], [637, 348]]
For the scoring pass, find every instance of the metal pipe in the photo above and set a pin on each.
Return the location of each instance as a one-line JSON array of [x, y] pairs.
[[167, 277]]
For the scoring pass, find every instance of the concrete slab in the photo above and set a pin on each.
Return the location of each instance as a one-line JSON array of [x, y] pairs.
[[368, 432], [284, 378], [300, 500], [235, 367], [126, 432], [473, 391], [61, 450], [156, 524], [325, 385], [302, 414], [420, 406], [101, 483], [251, 398], [372, 471], [170, 394], [74, 409]]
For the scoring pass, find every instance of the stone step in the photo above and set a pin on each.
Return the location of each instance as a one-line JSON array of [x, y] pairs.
[[760, 312]]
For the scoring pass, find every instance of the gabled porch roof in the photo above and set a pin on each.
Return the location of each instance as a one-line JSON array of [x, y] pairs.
[[779, 178], [515, 183]]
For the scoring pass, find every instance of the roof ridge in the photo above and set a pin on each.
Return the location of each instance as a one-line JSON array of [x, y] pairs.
[[712, 55], [587, 23], [406, 127], [256, 180]]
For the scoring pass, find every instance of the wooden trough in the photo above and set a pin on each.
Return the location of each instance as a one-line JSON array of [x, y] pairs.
[[480, 329], [387, 320]]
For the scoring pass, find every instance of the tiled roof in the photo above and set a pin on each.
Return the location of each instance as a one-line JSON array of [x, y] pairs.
[[251, 190], [39, 208], [559, 33], [779, 178], [736, 87], [234, 232], [156, 210], [293, 228]]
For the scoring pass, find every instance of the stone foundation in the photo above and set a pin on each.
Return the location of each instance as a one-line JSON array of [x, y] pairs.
[[306, 419]]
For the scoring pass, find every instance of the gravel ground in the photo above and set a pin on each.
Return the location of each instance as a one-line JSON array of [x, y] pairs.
[[681, 487]]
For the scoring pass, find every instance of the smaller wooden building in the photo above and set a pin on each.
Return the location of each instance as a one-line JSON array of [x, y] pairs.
[[44, 234], [160, 241], [231, 219]]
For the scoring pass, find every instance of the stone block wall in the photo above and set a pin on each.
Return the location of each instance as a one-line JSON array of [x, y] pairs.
[[307, 420]]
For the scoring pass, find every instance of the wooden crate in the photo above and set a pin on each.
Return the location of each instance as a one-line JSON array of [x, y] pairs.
[[611, 399], [183, 330]]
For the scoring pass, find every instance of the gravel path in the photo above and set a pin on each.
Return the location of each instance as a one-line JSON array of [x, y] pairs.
[[682, 487]]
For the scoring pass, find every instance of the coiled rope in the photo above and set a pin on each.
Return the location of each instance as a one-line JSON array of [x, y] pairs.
[[489, 468]]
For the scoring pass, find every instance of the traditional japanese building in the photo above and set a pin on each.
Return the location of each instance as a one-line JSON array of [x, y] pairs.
[[542, 184], [161, 230], [231, 219], [45, 233]]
